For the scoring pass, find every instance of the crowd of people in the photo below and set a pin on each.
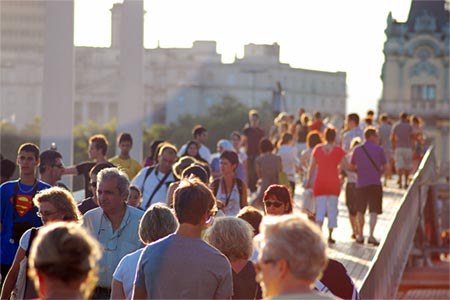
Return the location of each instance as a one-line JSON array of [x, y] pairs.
[[188, 223]]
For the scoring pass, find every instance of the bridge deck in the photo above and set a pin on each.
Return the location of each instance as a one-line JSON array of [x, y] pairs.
[[357, 257]]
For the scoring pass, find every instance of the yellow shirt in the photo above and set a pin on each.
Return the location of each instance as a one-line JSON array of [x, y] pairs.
[[130, 166]]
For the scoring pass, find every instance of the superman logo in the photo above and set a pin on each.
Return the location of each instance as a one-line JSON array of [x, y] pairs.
[[23, 205]]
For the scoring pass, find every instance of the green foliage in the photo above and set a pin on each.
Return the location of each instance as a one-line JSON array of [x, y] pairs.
[[222, 119]]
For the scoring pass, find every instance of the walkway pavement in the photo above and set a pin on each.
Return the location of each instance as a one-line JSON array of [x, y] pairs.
[[357, 257]]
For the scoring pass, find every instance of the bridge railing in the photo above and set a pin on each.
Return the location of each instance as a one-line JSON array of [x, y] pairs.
[[384, 275]]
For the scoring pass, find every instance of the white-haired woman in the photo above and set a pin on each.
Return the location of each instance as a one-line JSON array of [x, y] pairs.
[[233, 237], [292, 255]]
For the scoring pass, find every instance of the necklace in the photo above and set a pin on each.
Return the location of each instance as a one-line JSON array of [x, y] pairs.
[[27, 191]]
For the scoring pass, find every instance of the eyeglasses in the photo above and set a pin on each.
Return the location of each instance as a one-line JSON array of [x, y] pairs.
[[41, 214], [259, 263], [276, 204]]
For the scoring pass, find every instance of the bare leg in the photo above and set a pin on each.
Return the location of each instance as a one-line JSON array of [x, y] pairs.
[[360, 223]]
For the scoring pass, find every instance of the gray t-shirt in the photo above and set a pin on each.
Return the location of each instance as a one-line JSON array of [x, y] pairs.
[[403, 132], [179, 267], [384, 132]]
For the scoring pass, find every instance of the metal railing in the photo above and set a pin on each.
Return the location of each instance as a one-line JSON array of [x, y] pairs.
[[385, 273]]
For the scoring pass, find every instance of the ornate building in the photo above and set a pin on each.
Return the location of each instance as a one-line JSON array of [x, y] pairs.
[[176, 80], [416, 70]]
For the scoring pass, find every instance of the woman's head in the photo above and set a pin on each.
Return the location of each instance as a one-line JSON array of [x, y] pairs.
[[192, 148], [56, 204], [229, 161], [292, 245], [232, 236], [135, 196], [313, 139], [223, 145], [182, 163], [330, 134], [64, 253], [158, 221], [277, 200]]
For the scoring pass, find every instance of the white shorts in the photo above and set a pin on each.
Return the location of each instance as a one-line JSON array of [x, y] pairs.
[[403, 159], [327, 205]]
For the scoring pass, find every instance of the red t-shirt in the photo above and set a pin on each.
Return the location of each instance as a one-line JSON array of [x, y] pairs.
[[327, 179]]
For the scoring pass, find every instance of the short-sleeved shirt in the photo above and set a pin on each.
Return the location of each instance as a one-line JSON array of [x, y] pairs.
[[403, 132], [327, 178], [180, 267], [130, 166], [24, 211], [367, 174], [115, 244], [149, 184], [384, 132], [254, 135], [126, 271]]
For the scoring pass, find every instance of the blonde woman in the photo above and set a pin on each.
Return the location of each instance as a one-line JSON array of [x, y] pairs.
[[63, 262]]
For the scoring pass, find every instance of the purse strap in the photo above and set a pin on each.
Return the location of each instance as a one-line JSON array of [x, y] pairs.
[[371, 160]]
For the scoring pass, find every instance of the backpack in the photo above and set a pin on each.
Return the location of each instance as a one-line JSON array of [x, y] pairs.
[[215, 188]]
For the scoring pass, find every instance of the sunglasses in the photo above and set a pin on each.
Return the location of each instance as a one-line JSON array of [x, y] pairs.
[[276, 204], [43, 213], [212, 214]]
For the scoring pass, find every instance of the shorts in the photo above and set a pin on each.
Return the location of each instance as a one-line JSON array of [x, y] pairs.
[[351, 198], [327, 205], [403, 159], [371, 196]]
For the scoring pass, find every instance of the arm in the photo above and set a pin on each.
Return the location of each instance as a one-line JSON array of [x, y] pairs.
[[244, 194], [11, 278], [139, 293], [72, 170], [117, 291], [312, 168]]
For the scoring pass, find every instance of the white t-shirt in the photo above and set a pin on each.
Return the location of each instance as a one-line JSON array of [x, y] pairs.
[[234, 200], [289, 160], [150, 184], [126, 271]]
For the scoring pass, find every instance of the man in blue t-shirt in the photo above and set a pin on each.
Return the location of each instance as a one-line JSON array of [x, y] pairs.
[[17, 212]]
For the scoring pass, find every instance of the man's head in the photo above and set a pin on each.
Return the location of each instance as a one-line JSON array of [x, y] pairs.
[[383, 118], [167, 156], [194, 203], [28, 159], [317, 116], [51, 167], [352, 120], [112, 190], [200, 134], [403, 116], [253, 117], [371, 134], [98, 146], [125, 143]]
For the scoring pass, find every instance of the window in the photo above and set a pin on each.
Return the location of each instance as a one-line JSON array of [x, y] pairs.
[[423, 92]]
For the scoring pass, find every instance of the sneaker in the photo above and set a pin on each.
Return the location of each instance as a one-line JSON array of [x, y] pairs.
[[331, 241], [360, 240], [373, 241]]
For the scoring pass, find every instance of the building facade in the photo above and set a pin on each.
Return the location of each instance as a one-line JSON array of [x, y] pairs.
[[177, 80], [415, 73]]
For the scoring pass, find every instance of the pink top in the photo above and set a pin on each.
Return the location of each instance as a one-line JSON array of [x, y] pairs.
[[327, 179]]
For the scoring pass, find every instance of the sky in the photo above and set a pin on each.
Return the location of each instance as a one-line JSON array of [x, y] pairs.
[[324, 35]]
